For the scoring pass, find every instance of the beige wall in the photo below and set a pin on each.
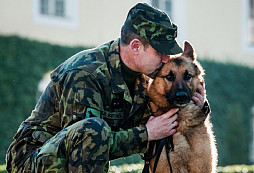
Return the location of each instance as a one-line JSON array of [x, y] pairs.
[[215, 27], [99, 21]]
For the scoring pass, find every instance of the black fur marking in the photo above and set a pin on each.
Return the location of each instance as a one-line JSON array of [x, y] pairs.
[[196, 69], [178, 61]]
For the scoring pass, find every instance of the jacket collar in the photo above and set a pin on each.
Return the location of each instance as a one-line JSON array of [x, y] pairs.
[[117, 82]]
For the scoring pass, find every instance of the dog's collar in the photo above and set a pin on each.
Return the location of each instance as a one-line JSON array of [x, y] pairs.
[[206, 108]]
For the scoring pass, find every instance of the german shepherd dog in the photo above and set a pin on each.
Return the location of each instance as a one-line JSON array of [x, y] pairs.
[[194, 143]]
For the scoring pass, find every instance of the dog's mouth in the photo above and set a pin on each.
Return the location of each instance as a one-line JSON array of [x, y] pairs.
[[180, 105], [180, 99]]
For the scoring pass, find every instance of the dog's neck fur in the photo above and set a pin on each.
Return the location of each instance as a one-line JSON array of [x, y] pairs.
[[186, 118]]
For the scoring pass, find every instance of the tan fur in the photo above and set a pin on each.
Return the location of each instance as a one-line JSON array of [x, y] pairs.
[[194, 143]]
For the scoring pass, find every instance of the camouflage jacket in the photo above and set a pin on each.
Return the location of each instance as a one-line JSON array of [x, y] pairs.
[[88, 84]]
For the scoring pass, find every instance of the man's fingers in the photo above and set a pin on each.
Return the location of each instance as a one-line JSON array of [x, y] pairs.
[[199, 96], [151, 118], [173, 119], [170, 113], [172, 128], [201, 89], [197, 101], [171, 132], [173, 124]]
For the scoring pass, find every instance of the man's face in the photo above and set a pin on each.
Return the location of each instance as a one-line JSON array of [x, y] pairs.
[[151, 61]]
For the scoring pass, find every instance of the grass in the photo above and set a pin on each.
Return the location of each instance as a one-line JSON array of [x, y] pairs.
[[2, 169], [131, 168], [137, 168], [236, 168]]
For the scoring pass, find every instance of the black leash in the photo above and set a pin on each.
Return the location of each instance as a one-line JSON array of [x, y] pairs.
[[169, 148], [158, 151], [168, 143], [148, 156]]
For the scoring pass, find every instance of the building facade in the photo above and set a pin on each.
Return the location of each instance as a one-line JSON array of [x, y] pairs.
[[219, 30]]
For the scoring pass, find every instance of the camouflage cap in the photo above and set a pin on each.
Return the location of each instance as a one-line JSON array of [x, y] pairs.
[[154, 25]]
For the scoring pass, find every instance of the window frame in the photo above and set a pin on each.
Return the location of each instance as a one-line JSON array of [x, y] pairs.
[[247, 47], [69, 20], [161, 4], [178, 18]]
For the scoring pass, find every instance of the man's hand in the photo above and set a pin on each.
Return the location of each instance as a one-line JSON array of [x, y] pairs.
[[199, 97], [162, 126]]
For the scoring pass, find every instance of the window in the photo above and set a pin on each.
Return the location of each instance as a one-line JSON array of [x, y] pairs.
[[165, 5], [44, 6], [251, 23], [56, 13], [155, 3], [52, 7], [59, 7], [248, 26], [168, 6], [176, 10]]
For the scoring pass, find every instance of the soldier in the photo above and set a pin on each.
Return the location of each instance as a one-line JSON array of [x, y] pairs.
[[94, 108]]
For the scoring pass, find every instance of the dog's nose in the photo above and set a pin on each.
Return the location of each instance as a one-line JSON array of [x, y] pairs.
[[182, 97]]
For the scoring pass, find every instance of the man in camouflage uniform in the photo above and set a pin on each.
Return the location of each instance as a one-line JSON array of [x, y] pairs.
[[92, 110]]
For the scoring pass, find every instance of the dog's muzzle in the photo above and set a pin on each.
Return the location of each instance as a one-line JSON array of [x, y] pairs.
[[181, 98]]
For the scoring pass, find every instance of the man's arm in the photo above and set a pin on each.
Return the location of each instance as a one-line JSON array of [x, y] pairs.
[[81, 98]]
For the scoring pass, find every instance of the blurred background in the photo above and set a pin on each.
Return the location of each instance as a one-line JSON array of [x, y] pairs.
[[37, 35]]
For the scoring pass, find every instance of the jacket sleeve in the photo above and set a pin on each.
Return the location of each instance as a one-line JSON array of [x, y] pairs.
[[77, 90], [80, 97], [127, 142]]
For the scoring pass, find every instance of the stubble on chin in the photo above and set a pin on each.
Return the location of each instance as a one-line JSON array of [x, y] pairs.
[[155, 72]]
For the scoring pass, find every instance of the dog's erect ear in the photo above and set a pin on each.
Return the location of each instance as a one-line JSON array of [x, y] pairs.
[[189, 51]]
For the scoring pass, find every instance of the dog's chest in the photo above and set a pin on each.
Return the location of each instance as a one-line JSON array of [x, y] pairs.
[[187, 118]]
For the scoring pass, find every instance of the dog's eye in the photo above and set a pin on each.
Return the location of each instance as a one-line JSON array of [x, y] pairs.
[[187, 76], [170, 77]]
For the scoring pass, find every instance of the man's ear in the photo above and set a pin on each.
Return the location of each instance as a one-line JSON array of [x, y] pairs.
[[135, 45]]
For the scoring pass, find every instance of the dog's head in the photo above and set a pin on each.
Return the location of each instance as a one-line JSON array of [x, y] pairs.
[[177, 80]]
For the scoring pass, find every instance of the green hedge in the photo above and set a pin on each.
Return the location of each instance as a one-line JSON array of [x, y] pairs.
[[230, 94], [24, 62]]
